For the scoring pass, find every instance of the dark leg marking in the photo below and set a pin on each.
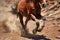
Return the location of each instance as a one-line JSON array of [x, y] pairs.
[[36, 29]]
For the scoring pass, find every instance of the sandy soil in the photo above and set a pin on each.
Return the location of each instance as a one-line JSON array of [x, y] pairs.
[[51, 31]]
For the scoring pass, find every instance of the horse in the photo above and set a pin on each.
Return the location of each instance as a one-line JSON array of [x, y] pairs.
[[27, 8]]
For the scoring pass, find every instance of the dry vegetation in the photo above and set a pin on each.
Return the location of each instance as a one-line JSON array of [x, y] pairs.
[[10, 28]]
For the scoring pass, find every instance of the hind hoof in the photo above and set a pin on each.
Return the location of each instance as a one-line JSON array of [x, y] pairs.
[[39, 30], [34, 31]]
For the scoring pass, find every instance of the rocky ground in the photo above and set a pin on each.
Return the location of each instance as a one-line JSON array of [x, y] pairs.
[[9, 24]]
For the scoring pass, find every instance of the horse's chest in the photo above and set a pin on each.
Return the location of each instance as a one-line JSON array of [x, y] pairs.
[[22, 5]]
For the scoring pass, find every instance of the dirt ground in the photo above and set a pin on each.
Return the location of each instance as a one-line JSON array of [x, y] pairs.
[[51, 31]]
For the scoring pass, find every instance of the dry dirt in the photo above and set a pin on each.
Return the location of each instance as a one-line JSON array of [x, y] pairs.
[[51, 31]]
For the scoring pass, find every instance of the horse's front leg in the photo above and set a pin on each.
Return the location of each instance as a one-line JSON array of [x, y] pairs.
[[21, 21], [27, 19], [22, 24]]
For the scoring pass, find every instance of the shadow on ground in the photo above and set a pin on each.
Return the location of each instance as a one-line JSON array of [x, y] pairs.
[[35, 37]]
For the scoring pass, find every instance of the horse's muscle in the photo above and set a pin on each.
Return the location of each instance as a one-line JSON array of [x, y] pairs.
[[25, 7]]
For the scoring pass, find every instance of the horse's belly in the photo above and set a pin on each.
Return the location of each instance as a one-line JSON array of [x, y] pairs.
[[25, 14]]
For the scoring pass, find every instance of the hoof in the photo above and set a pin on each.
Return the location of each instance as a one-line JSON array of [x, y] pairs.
[[39, 30], [25, 32], [34, 31]]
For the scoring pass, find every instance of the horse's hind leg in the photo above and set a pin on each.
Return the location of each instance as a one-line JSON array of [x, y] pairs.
[[42, 24], [43, 21], [37, 26]]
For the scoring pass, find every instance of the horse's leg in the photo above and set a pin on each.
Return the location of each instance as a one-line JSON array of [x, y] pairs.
[[43, 21], [26, 24], [37, 26], [35, 18], [21, 21], [42, 24], [37, 23]]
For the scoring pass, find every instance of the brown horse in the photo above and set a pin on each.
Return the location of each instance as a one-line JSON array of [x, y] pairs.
[[26, 8]]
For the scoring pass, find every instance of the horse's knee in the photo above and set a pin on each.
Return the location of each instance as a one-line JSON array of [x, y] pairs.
[[37, 23]]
